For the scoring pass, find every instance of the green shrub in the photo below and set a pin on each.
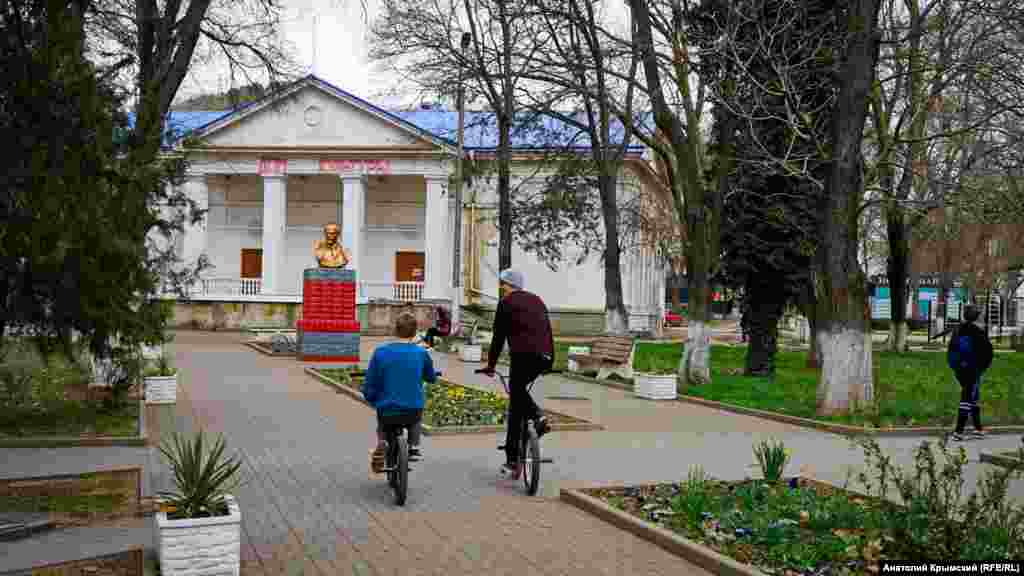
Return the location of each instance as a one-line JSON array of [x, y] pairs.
[[772, 458], [935, 520]]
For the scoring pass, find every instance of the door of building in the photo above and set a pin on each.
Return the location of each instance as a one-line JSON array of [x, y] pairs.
[[252, 262], [409, 266]]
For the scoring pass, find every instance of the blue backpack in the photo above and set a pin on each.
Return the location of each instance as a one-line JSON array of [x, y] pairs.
[[962, 357]]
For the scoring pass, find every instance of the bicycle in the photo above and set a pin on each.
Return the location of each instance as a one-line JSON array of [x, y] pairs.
[[396, 458], [529, 442]]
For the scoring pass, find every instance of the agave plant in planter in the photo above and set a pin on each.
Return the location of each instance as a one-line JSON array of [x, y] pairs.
[[161, 381], [655, 377], [199, 524]]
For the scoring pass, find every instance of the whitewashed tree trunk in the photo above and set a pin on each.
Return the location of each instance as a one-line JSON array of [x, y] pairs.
[[846, 381], [695, 365], [616, 321], [898, 334]]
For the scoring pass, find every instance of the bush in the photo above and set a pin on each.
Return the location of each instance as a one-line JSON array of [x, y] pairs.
[[936, 521]]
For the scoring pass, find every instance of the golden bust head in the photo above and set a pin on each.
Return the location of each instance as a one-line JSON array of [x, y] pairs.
[[329, 252]]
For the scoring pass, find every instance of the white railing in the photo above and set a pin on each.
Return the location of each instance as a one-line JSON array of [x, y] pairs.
[[228, 286], [408, 291], [401, 291]]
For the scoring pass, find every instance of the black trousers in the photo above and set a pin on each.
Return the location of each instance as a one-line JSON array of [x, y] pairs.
[[523, 369], [970, 389], [410, 420], [432, 333]]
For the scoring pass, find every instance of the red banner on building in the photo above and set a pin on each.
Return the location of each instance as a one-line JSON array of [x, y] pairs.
[[356, 166], [272, 167]]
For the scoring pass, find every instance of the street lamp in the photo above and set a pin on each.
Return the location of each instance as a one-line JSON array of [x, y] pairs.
[[457, 252]]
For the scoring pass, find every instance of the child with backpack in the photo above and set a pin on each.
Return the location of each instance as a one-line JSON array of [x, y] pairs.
[[969, 355]]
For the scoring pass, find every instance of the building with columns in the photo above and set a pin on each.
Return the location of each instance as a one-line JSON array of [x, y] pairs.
[[271, 174]]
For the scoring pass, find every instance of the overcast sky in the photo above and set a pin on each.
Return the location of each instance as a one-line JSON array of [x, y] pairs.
[[341, 39]]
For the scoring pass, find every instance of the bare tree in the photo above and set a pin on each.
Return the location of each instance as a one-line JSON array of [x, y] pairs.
[[682, 146], [930, 49], [573, 82], [420, 40], [155, 44]]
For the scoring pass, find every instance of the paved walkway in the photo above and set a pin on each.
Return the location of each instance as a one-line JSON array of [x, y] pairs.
[[310, 506]]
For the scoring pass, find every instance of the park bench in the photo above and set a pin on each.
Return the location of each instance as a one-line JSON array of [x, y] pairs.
[[610, 355]]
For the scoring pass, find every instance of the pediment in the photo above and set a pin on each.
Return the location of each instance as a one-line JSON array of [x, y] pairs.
[[312, 115]]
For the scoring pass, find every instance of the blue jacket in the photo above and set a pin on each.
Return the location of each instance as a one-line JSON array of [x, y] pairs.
[[394, 378]]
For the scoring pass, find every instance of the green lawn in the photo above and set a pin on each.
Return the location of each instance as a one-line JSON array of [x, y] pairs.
[[71, 419], [39, 398], [561, 352], [911, 389]]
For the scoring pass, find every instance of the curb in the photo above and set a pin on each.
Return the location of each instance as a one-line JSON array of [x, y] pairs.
[[840, 429], [1001, 459], [72, 442], [580, 426], [698, 554]]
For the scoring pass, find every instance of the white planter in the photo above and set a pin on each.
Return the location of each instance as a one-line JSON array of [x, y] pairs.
[[470, 352], [201, 546], [161, 389], [655, 386], [571, 364]]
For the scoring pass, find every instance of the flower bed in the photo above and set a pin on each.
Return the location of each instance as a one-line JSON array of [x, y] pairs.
[[453, 406], [794, 527], [800, 526]]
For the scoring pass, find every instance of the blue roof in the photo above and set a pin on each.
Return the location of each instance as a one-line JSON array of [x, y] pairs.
[[530, 133], [181, 123]]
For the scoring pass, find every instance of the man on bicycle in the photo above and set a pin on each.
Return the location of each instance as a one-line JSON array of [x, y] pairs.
[[522, 318]]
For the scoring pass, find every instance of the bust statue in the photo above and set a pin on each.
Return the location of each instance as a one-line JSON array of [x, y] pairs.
[[328, 252]]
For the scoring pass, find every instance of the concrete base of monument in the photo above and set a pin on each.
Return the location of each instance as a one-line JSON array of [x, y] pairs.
[[338, 359], [328, 345]]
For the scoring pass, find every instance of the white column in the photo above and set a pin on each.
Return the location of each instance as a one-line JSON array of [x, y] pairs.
[[436, 239], [353, 218], [275, 206], [194, 240]]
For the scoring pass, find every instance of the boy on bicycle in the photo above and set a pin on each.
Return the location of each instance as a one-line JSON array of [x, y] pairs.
[[394, 386], [522, 319]]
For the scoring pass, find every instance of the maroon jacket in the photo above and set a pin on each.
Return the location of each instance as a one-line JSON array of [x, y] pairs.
[[522, 319]]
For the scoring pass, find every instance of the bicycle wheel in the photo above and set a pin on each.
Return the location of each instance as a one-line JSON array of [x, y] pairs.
[[529, 453], [402, 470], [389, 462]]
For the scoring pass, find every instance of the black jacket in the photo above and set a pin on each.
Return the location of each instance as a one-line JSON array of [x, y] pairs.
[[522, 319], [979, 342]]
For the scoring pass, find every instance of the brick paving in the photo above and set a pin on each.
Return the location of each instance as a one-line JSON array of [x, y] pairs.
[[310, 505]]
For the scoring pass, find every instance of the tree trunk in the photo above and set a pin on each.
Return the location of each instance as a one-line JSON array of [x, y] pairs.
[[616, 320], [504, 195], [896, 269], [762, 323], [846, 375]]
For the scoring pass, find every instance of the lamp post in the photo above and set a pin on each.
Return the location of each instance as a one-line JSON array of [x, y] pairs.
[[457, 252]]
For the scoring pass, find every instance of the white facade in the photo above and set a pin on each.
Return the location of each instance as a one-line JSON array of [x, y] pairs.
[[272, 176]]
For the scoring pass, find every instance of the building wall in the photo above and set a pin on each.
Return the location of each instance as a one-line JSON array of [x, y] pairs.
[[374, 319], [970, 254]]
